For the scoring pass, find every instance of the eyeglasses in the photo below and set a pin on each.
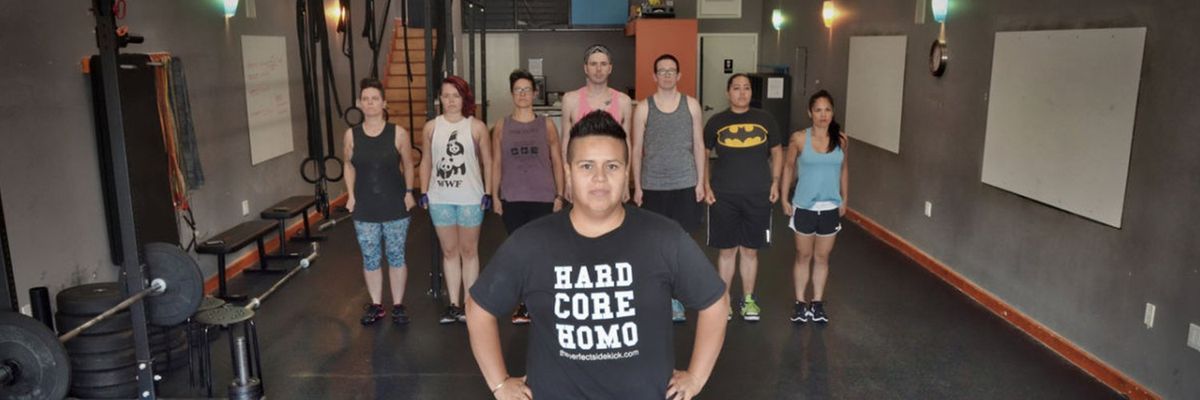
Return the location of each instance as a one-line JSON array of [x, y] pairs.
[[667, 72], [522, 90]]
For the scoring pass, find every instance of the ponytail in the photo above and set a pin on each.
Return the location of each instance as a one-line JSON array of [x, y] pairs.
[[835, 135]]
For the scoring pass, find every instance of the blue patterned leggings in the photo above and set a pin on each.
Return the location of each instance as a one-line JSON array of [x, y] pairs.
[[370, 234]]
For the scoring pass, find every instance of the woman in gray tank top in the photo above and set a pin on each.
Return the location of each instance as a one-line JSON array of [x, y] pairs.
[[377, 175], [528, 171]]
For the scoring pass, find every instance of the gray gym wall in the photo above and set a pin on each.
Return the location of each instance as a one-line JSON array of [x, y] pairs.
[[1084, 280], [48, 155]]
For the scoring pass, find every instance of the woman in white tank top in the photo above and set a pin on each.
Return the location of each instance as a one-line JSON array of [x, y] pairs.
[[455, 176]]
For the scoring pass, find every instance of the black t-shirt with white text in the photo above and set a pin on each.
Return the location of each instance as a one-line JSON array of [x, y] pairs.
[[743, 142], [601, 307]]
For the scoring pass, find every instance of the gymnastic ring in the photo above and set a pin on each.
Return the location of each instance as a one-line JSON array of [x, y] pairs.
[[304, 171], [356, 112], [341, 168]]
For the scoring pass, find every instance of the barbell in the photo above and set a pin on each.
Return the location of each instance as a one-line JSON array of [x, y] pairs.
[[33, 361]]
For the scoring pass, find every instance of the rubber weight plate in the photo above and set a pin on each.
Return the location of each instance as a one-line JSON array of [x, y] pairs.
[[37, 358], [103, 361], [118, 322], [112, 377], [90, 299], [185, 284], [100, 344], [170, 361], [122, 391], [171, 343]]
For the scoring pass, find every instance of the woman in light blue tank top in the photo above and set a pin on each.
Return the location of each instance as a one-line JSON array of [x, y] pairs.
[[817, 155]]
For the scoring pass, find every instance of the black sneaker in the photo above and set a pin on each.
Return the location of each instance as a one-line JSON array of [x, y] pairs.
[[399, 315], [374, 312], [461, 314], [449, 316], [800, 312], [521, 316], [817, 312]]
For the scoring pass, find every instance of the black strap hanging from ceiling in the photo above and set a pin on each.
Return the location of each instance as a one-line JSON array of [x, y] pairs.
[[373, 30], [310, 28], [351, 114]]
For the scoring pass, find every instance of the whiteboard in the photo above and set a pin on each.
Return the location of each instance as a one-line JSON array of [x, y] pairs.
[[268, 104], [1060, 117], [875, 90]]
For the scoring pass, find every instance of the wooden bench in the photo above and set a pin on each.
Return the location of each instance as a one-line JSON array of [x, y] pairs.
[[233, 240]]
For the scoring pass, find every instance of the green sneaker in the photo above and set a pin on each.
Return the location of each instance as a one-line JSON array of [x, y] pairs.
[[750, 309]]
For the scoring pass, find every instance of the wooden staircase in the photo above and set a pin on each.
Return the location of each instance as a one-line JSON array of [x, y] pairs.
[[400, 102]]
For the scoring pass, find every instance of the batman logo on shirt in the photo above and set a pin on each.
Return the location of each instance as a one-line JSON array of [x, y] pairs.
[[741, 136]]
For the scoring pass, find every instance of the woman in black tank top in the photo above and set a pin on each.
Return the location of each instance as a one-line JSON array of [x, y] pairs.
[[377, 175]]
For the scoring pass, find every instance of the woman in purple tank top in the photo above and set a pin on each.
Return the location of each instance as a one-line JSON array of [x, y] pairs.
[[528, 170]]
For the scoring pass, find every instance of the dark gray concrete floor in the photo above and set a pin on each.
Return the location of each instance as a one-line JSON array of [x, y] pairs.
[[896, 332]]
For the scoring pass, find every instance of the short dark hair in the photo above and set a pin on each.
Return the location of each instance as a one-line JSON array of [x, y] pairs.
[[665, 56], [519, 74], [597, 123], [370, 83], [729, 83]]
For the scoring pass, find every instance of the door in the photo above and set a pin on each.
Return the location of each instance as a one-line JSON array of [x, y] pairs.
[[502, 59], [722, 55]]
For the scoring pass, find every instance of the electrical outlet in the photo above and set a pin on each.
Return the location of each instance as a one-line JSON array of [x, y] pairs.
[[1194, 336], [929, 209], [1149, 318], [245, 207]]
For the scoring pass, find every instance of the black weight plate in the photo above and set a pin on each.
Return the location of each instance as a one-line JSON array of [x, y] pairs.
[[112, 377], [90, 299], [118, 322], [103, 361], [31, 348], [172, 343], [157, 333], [122, 391], [185, 284], [94, 344], [167, 339], [172, 360]]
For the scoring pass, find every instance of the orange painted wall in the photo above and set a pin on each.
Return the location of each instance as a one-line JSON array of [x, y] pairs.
[[654, 37]]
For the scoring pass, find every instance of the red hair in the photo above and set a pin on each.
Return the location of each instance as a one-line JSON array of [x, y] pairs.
[[464, 90]]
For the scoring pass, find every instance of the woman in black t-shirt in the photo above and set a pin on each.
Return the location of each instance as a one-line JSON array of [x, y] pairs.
[[742, 185], [379, 168]]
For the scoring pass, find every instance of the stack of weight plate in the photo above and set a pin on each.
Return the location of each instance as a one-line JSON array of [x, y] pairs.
[[103, 363], [169, 346], [102, 358]]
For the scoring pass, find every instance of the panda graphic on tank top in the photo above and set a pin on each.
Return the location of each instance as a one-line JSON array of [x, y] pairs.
[[452, 164]]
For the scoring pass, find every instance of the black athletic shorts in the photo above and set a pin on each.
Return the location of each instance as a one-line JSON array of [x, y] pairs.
[[679, 205], [820, 223], [740, 219]]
